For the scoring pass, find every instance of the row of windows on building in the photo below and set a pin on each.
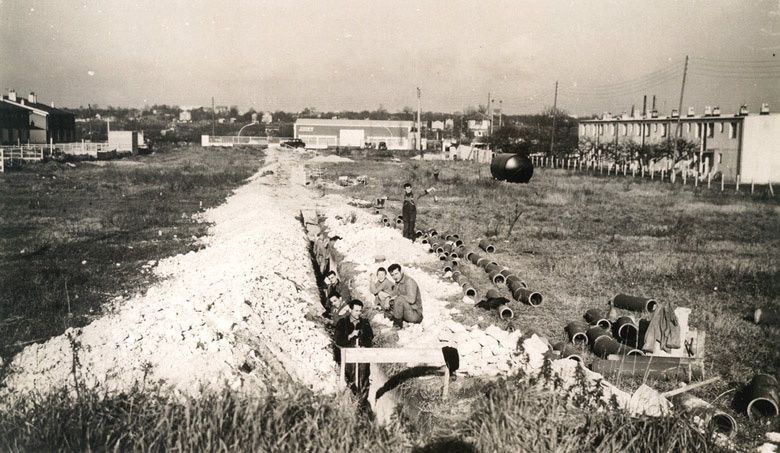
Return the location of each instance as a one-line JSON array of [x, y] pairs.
[[662, 129]]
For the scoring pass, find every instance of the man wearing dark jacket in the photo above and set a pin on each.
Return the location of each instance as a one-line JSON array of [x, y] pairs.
[[409, 210], [351, 332]]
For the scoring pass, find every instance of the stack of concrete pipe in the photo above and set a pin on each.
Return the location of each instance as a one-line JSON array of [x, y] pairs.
[[596, 333], [461, 280], [499, 274]]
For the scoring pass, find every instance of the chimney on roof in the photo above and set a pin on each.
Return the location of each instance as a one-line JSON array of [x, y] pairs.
[[52, 104], [32, 98], [12, 95], [764, 109]]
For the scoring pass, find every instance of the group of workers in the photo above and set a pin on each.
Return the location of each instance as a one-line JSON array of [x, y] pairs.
[[395, 294]]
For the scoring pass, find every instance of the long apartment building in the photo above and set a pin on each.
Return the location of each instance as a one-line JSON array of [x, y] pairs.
[[45, 122], [740, 144]]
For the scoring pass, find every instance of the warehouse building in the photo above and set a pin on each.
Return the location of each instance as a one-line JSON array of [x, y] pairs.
[[741, 144], [324, 133]]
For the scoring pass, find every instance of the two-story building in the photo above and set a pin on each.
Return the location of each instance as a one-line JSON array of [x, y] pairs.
[[46, 123], [14, 124], [741, 144]]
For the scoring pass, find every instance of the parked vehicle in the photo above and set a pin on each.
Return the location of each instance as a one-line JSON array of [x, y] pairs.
[[294, 143]]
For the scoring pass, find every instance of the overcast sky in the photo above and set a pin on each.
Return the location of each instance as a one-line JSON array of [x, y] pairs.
[[356, 55]]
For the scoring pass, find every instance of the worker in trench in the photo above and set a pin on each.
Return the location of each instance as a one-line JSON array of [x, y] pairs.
[[354, 331], [409, 209], [382, 289], [406, 298], [334, 285]]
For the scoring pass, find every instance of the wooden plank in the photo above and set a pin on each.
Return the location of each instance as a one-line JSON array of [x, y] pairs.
[[651, 366], [432, 356]]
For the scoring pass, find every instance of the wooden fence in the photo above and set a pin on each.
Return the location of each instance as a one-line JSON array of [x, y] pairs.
[[663, 172]]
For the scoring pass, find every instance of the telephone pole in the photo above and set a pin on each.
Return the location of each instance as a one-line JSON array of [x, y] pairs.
[[678, 132], [419, 128], [212, 116], [500, 113], [555, 111]]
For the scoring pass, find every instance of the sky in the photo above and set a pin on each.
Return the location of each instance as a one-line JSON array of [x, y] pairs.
[[357, 55]]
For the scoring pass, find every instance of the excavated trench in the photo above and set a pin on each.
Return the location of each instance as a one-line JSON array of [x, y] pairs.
[[381, 397]]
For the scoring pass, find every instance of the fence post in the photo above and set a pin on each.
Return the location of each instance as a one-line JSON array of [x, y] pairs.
[[709, 180], [685, 177], [722, 182], [752, 186], [737, 183], [2, 161], [771, 190], [663, 174]]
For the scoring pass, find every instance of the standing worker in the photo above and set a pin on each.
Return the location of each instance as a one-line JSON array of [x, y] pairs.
[[409, 211]]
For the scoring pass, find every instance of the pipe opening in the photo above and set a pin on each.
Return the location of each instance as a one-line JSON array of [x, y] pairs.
[[505, 312], [627, 331], [575, 357], [471, 292], [498, 279], [424, 241], [723, 423], [455, 263], [651, 305], [761, 408], [442, 257], [535, 299], [490, 249], [579, 339], [604, 323], [635, 352], [447, 269]]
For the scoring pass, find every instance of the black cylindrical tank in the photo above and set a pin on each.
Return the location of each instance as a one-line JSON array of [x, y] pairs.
[[512, 168]]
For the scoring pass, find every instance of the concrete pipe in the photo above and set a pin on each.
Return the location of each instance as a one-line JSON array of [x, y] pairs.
[[761, 395], [605, 345], [595, 317], [767, 316], [596, 332], [385, 220], [455, 262], [439, 249], [485, 245], [577, 332], [451, 237], [634, 303], [492, 266], [504, 312], [456, 275], [418, 233], [447, 268], [458, 243], [527, 296], [514, 282], [449, 246], [473, 257], [469, 290], [424, 241], [442, 256], [376, 211], [482, 262], [496, 277], [432, 232], [460, 251], [625, 328], [714, 419], [568, 351]]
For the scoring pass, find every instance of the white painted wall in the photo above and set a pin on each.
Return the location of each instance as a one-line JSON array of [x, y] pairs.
[[761, 149]]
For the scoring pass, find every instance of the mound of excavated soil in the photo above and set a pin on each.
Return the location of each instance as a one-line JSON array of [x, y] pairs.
[[215, 316]]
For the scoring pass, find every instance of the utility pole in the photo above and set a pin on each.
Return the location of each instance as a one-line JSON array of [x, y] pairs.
[[212, 116], [555, 111], [678, 131], [419, 127], [500, 113], [487, 110]]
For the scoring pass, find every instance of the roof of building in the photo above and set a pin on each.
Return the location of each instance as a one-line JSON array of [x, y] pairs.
[[12, 107], [35, 105], [664, 118], [352, 123]]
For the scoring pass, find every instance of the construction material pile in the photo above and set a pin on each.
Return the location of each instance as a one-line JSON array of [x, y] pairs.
[[217, 316]]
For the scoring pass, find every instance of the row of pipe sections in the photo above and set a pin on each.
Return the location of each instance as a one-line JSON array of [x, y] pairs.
[[502, 275]]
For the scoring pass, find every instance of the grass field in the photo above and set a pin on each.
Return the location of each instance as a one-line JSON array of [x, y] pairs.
[[73, 237], [581, 239]]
